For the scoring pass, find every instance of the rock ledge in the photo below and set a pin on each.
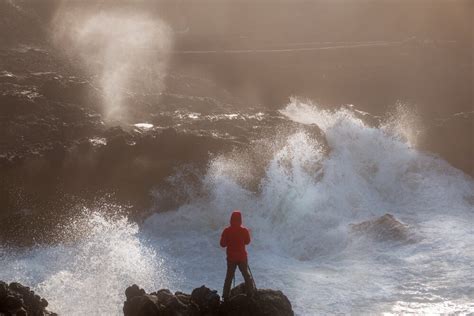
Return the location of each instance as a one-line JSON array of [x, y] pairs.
[[204, 301]]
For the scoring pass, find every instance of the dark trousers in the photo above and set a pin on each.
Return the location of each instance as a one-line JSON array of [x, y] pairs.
[[244, 269]]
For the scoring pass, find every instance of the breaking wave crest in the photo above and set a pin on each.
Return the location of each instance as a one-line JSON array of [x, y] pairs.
[[309, 194], [299, 191]]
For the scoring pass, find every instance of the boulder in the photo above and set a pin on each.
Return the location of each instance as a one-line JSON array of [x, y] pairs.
[[142, 305], [262, 302], [16, 299], [384, 228], [133, 291], [205, 302]]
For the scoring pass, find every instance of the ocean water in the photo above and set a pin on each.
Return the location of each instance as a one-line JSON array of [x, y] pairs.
[[299, 194]]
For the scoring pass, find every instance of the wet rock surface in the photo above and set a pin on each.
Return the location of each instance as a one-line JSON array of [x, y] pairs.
[[204, 301], [16, 299], [384, 228]]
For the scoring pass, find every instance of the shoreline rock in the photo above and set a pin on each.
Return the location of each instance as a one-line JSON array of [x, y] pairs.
[[20, 300], [384, 228], [204, 301]]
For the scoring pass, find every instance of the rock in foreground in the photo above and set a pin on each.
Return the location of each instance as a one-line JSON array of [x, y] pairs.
[[204, 301], [16, 299]]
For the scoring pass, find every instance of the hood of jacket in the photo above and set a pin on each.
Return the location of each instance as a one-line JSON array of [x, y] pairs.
[[236, 219]]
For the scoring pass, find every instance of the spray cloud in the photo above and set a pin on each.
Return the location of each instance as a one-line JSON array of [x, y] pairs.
[[125, 51]]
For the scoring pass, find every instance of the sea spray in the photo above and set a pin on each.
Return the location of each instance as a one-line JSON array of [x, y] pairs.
[[301, 214], [300, 218], [126, 51], [367, 172], [87, 272]]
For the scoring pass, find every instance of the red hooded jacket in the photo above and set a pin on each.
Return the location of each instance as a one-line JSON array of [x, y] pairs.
[[235, 237]]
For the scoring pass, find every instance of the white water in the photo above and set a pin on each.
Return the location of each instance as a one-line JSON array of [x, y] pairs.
[[299, 221]]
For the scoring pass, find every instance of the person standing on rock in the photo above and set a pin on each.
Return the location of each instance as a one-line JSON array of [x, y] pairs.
[[235, 237]]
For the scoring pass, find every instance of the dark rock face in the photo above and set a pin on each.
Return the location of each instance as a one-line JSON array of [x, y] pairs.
[[263, 302], [16, 299], [204, 301]]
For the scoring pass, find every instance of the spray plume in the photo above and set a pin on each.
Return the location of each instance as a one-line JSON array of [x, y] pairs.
[[125, 51]]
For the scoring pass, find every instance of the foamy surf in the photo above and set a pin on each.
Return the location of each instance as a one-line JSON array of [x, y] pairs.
[[300, 215], [86, 272], [307, 199]]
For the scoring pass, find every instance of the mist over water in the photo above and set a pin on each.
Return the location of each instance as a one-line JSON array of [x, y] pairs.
[[126, 51], [310, 191]]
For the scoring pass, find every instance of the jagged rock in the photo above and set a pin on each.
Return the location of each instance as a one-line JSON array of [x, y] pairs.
[[263, 302], [142, 305], [384, 228], [205, 299], [206, 302], [182, 297], [16, 299], [133, 291], [172, 303]]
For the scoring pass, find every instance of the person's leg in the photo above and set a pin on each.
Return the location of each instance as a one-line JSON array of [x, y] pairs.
[[228, 279], [244, 269]]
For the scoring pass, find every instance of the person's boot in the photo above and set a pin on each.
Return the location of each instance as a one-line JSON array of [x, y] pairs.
[[225, 295], [249, 290]]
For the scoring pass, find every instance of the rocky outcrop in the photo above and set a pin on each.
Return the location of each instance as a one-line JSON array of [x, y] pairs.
[[384, 228], [204, 301], [16, 299], [264, 302]]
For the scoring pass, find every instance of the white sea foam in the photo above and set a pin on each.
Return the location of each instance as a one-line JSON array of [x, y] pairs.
[[299, 218], [143, 126], [87, 272]]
